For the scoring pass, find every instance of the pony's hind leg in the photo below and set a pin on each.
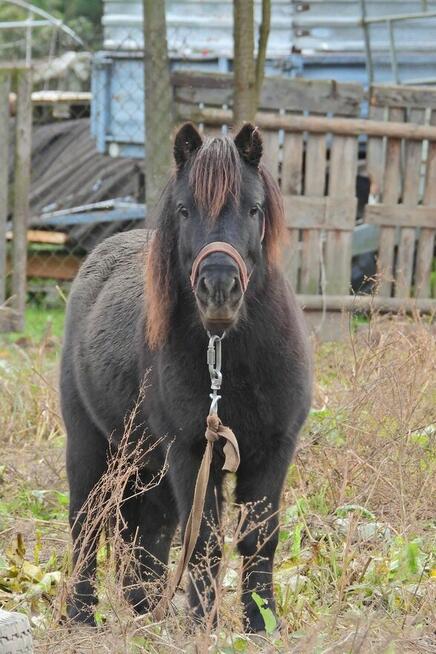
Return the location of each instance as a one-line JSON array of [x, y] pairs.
[[87, 451], [150, 520]]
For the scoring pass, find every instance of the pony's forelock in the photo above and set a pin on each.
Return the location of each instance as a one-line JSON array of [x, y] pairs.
[[215, 175]]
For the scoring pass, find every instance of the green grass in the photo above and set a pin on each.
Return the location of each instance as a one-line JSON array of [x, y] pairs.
[[39, 322]]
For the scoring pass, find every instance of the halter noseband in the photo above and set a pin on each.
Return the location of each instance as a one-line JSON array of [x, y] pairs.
[[226, 248]]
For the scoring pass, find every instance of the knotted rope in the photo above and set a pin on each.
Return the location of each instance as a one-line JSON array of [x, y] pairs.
[[214, 430]]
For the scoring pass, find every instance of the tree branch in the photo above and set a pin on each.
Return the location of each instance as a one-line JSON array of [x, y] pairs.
[[262, 46]]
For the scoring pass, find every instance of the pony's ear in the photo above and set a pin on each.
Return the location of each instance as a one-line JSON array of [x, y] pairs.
[[187, 141], [249, 144]]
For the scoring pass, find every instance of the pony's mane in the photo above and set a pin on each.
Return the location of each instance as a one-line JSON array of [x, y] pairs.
[[215, 173], [276, 234]]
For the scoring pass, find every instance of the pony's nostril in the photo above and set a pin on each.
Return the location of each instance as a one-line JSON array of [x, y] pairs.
[[235, 285], [202, 287]]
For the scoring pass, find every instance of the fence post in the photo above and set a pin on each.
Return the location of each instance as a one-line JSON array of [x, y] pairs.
[[158, 105], [5, 85], [23, 151]]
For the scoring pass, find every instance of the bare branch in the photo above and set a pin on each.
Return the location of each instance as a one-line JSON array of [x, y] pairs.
[[262, 46]]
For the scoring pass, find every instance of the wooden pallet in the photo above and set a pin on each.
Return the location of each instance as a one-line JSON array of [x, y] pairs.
[[404, 172]]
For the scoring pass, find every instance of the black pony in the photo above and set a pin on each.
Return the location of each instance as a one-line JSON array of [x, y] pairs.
[[124, 323]]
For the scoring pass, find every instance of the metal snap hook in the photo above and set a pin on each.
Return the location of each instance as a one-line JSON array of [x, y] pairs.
[[214, 364]]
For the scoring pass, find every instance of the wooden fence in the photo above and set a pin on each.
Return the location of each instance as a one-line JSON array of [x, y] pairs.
[[404, 174], [15, 197], [313, 138], [314, 142]]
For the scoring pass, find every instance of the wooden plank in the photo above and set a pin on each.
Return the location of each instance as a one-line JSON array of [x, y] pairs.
[[412, 176], [396, 96], [49, 97], [310, 260], [291, 184], [367, 303], [292, 164], [311, 95], [343, 170], [392, 191], [401, 215], [392, 184], [424, 255], [270, 155], [375, 156], [312, 213], [292, 257], [314, 124], [54, 99], [192, 87], [41, 236], [5, 82], [315, 169], [23, 153], [314, 186]]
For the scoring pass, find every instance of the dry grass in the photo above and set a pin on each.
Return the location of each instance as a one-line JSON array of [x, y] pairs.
[[354, 564]]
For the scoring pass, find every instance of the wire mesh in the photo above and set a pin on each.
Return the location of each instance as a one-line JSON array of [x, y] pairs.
[[83, 188]]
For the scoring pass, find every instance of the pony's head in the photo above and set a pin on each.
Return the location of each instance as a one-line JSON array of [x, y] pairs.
[[219, 231]]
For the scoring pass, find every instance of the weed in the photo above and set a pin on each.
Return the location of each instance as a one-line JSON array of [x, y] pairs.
[[355, 565]]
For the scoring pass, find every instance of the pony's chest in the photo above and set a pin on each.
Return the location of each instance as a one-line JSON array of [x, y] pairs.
[[253, 396]]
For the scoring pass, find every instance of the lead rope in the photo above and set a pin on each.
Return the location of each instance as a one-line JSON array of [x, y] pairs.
[[214, 430]]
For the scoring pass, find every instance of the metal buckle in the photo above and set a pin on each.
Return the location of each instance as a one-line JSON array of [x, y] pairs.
[[214, 365]]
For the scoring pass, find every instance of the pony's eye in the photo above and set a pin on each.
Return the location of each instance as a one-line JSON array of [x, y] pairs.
[[183, 211], [254, 211]]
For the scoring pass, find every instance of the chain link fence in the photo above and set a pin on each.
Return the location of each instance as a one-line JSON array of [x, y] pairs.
[[87, 168]]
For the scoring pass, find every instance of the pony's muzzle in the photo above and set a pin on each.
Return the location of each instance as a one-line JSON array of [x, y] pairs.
[[218, 290]]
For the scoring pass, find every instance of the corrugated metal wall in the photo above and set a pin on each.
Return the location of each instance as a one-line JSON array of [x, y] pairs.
[[199, 29], [196, 29], [334, 26]]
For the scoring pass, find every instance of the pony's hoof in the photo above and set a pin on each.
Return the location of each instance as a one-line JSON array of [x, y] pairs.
[[140, 601], [255, 626], [83, 615]]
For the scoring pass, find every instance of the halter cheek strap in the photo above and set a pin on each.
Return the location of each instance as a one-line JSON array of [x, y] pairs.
[[226, 248]]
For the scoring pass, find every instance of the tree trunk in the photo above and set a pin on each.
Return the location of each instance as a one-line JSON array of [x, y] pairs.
[[158, 105], [261, 50], [248, 73], [244, 93]]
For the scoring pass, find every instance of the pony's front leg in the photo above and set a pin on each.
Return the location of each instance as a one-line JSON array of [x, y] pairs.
[[259, 490], [205, 560]]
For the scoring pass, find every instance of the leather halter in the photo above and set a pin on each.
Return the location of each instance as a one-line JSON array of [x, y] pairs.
[[226, 248]]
